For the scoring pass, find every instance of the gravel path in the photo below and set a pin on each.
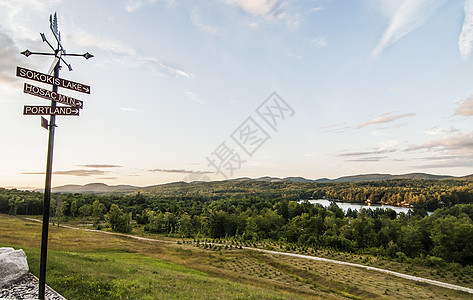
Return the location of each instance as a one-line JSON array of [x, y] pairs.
[[27, 288]]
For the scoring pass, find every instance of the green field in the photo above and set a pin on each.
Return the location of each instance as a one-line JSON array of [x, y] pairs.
[[90, 265]]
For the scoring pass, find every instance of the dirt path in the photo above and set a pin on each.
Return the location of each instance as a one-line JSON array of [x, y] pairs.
[[397, 274]]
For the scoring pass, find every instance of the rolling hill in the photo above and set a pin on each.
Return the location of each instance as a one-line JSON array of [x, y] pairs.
[[102, 188]]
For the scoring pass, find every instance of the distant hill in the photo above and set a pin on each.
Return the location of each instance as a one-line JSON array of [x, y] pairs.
[[357, 178], [467, 177], [102, 188], [93, 188], [375, 177]]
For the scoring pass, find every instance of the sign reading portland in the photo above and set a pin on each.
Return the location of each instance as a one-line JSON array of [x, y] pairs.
[[45, 78], [50, 110]]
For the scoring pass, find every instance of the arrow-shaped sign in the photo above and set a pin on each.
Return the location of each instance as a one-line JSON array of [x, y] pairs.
[[51, 95], [50, 110], [45, 78]]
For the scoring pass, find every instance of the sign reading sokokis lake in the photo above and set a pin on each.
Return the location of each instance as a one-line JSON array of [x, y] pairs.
[[45, 78]]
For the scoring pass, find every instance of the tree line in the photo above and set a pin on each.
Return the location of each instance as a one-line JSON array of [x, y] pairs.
[[446, 235]]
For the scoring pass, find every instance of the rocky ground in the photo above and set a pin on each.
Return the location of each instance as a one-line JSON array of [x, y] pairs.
[[26, 288]]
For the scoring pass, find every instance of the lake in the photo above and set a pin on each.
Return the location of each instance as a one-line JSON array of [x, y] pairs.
[[357, 206]]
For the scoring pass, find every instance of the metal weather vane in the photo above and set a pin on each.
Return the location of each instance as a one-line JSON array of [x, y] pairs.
[[59, 52], [72, 108]]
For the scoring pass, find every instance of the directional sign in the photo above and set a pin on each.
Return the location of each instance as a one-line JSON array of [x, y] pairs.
[[49, 110], [53, 96], [45, 78]]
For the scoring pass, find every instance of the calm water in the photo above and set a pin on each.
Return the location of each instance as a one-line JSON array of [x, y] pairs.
[[357, 206]]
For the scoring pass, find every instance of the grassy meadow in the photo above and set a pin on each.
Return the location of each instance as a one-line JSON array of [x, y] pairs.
[[91, 265]]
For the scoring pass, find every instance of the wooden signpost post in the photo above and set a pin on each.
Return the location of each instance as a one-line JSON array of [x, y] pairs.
[[72, 109]]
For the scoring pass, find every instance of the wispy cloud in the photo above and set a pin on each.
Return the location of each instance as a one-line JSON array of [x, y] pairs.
[[385, 118], [448, 162], [257, 7], [410, 15], [17, 16], [80, 173], [129, 109], [365, 153], [437, 131], [126, 56], [181, 171], [458, 143], [366, 156], [199, 24], [465, 41], [339, 128], [9, 58], [319, 42], [290, 54], [466, 107], [368, 159], [32, 173], [100, 166], [133, 5], [194, 97]]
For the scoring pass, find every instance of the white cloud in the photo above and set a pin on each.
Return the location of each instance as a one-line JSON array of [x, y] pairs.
[[194, 97], [466, 107], [256, 7], [17, 16], [197, 22], [385, 118], [132, 5], [319, 42], [81, 173], [9, 58], [434, 131], [318, 8], [366, 153], [129, 109], [180, 171], [339, 128], [458, 143], [465, 42], [408, 16], [125, 56], [290, 54]]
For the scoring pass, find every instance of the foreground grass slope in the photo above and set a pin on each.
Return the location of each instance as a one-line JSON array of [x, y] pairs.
[[89, 265]]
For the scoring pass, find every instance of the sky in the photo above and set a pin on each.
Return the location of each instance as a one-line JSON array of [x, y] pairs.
[[217, 89]]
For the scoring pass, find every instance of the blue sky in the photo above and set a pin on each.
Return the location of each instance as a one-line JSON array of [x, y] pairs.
[[183, 90]]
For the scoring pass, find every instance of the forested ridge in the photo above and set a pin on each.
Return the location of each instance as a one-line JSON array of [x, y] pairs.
[[251, 211]]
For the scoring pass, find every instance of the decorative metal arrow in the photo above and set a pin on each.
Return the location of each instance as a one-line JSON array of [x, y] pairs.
[[59, 53]]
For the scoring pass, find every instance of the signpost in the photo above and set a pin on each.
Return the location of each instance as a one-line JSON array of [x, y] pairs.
[[72, 109]]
